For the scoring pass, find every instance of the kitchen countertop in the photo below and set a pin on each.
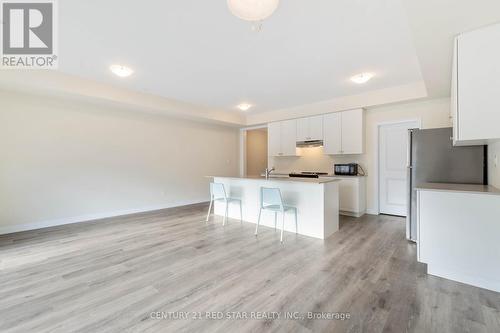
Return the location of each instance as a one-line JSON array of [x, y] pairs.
[[463, 188], [285, 179], [330, 175]]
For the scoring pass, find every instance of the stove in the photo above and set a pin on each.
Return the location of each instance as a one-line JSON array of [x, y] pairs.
[[307, 174]]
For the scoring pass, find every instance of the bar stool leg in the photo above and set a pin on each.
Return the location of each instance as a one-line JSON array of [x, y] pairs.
[[296, 224], [241, 213], [282, 226], [225, 214], [258, 222], [209, 209]]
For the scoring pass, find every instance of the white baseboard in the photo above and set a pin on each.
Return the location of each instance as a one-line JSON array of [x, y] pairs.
[[466, 278], [351, 214], [372, 211], [8, 229]]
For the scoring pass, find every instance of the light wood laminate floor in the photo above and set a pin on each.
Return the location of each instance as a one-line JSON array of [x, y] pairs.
[[111, 275]]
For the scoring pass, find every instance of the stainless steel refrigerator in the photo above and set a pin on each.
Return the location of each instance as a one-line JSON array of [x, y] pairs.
[[433, 158]]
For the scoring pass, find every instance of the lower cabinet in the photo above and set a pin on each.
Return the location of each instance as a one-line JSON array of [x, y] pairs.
[[352, 195]]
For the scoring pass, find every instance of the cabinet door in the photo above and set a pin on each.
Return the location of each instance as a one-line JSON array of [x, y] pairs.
[[289, 137], [332, 133], [303, 129], [274, 139], [316, 128], [352, 132], [454, 96], [479, 84], [348, 195]]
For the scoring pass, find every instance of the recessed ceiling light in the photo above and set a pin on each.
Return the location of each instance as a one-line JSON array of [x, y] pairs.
[[362, 78], [244, 106], [121, 71]]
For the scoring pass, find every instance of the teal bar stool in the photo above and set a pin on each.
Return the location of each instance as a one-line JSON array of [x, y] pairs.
[[271, 200], [218, 193]]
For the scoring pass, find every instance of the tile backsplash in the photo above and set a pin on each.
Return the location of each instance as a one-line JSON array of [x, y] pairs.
[[312, 159]]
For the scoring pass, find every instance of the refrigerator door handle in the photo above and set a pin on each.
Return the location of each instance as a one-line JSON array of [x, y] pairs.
[[409, 186], [408, 151]]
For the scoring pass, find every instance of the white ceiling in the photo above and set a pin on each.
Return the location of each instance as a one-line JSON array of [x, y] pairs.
[[192, 58], [196, 51], [434, 24]]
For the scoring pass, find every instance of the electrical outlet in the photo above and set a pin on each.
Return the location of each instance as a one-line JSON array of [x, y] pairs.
[[495, 160]]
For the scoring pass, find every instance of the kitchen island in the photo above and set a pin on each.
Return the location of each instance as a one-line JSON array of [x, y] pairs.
[[458, 230], [316, 200]]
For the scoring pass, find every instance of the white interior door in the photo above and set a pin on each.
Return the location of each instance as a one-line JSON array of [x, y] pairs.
[[393, 150]]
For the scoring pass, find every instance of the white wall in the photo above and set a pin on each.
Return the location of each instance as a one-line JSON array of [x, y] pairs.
[[494, 170], [64, 161], [433, 113]]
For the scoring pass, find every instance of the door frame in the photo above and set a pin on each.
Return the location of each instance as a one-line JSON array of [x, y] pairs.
[[243, 148], [376, 157]]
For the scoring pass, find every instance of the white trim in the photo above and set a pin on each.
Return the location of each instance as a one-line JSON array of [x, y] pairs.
[[371, 211], [253, 127], [243, 153], [369, 99], [92, 217], [376, 188], [464, 277], [352, 214]]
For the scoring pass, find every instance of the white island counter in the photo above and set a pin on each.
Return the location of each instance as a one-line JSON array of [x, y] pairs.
[[316, 200], [458, 232]]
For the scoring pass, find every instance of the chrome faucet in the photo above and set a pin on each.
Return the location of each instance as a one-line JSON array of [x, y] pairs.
[[268, 172]]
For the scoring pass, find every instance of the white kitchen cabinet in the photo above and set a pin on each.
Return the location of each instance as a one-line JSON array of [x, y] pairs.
[[282, 138], [303, 129], [475, 86], [310, 128], [332, 125], [458, 233], [344, 132], [289, 138], [352, 195], [274, 139], [352, 132]]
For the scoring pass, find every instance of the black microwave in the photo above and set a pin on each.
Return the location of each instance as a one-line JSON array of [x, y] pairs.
[[350, 169]]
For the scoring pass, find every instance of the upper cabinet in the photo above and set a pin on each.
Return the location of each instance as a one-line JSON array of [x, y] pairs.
[[310, 128], [332, 125], [476, 86], [282, 138], [274, 139], [343, 132]]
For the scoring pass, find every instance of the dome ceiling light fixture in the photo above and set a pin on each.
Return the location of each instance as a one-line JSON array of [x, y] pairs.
[[254, 11], [120, 70], [244, 106], [362, 78]]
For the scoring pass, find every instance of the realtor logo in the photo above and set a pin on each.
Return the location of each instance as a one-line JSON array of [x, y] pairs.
[[28, 34]]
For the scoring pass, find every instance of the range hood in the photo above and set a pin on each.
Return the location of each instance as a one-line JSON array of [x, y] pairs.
[[309, 143]]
